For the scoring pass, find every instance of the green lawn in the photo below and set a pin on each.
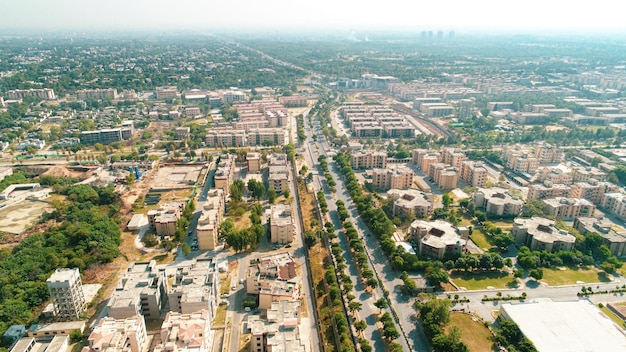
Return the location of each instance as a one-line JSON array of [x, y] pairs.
[[479, 237], [480, 280], [613, 317], [220, 315], [570, 276], [504, 224], [475, 335]]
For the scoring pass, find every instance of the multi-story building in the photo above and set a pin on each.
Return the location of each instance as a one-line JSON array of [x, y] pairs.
[[447, 178], [539, 191], [142, 290], [585, 173], [208, 224], [437, 239], [164, 219], [474, 173], [194, 287], [568, 208], [282, 229], [278, 172], [592, 190], [66, 292], [181, 132], [43, 93], [99, 93], [613, 235], [411, 202], [615, 203], [369, 160], [224, 173], [219, 138], [193, 112], [555, 175], [293, 101], [453, 157], [539, 233], [254, 162], [119, 335], [267, 137], [497, 201], [280, 331], [274, 279], [166, 92], [186, 332], [232, 96], [105, 136], [385, 179]]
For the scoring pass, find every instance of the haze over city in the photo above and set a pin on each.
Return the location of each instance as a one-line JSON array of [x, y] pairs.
[[285, 14]]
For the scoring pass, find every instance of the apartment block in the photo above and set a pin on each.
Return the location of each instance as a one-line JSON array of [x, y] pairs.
[[210, 220], [182, 132], [66, 293], [592, 190], [282, 228], [278, 172], [164, 219], [538, 191], [453, 157], [369, 160], [100, 94], [539, 233], [385, 179], [119, 335], [555, 175], [223, 177], [274, 279], [586, 173], [142, 290], [186, 332], [58, 343], [497, 201], [44, 93], [232, 96], [613, 235], [166, 92], [615, 203], [437, 239], [568, 208], [474, 173], [293, 101], [267, 137], [193, 288], [280, 331], [220, 138], [254, 161], [411, 202]]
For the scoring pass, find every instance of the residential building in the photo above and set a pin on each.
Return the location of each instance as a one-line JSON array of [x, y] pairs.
[[142, 290], [539, 191], [437, 239], [280, 331], [411, 203], [282, 228], [119, 335], [585, 173], [385, 179], [274, 279], [254, 161], [105, 136], [293, 101], [219, 138], [208, 224], [66, 293], [613, 235], [193, 112], [164, 219], [453, 157], [193, 288], [166, 92], [98, 93], [181, 132], [223, 176], [568, 208], [369, 160], [47, 330], [497, 201], [615, 203], [539, 233], [186, 332], [278, 172], [592, 190], [58, 343], [44, 93], [559, 174], [474, 173], [232, 96], [267, 137]]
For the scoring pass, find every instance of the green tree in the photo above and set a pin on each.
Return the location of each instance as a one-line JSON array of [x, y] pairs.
[[271, 196], [381, 304]]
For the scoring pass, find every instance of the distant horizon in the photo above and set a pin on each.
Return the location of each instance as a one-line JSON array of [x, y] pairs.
[[533, 16]]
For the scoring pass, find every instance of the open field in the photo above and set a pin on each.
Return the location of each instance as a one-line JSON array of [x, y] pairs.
[[570, 276], [16, 218], [479, 280], [475, 335], [480, 239], [176, 177]]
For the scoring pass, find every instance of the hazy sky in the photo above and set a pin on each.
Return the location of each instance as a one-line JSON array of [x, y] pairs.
[[348, 14]]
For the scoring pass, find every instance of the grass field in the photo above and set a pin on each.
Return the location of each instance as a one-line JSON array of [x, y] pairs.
[[569, 276], [220, 315], [480, 239], [475, 335], [481, 280]]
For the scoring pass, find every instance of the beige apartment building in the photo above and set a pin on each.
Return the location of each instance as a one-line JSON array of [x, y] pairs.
[[119, 335], [539, 233], [141, 290], [385, 179], [474, 173], [280, 331], [568, 208], [210, 220], [613, 235], [411, 202], [194, 287], [437, 239], [282, 228], [497, 201], [186, 332], [369, 160], [66, 293], [223, 177], [615, 203], [220, 138], [254, 161], [181, 132], [592, 190], [539, 191]]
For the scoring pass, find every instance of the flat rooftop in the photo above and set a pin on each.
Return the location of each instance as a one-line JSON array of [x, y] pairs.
[[566, 326], [177, 177]]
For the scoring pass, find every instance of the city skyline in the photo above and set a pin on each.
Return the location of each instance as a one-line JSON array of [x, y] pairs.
[[281, 14]]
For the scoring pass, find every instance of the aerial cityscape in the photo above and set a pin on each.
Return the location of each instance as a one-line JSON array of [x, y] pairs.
[[390, 187]]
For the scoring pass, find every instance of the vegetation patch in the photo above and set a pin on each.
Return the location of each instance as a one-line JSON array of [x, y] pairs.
[[473, 332], [480, 280], [572, 275]]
